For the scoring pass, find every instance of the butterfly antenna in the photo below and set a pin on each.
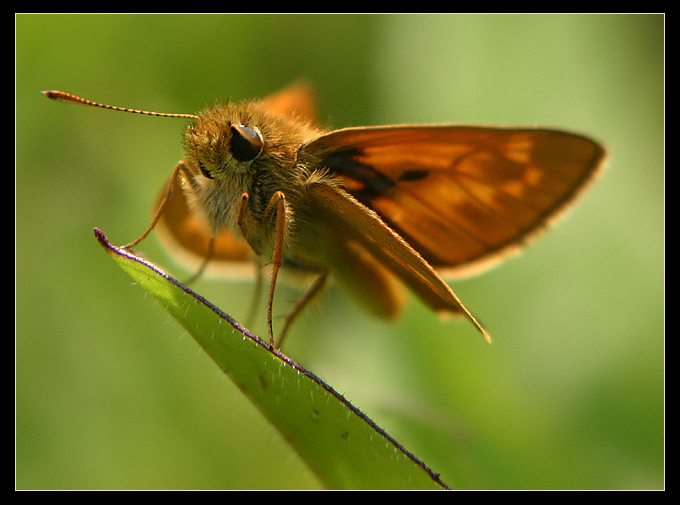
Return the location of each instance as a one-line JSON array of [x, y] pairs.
[[62, 96]]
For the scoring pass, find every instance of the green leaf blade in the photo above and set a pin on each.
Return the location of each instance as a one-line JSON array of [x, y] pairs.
[[342, 446]]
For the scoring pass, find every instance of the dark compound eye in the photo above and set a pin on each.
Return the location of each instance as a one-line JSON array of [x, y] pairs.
[[204, 170], [246, 142]]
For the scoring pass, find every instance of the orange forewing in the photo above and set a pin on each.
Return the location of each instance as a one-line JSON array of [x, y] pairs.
[[463, 196]]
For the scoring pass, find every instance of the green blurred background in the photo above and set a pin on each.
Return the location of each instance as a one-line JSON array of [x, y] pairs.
[[111, 393]]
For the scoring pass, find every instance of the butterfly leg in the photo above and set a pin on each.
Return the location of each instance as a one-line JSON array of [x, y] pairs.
[[302, 303], [277, 208], [181, 167], [204, 264], [257, 293], [276, 204]]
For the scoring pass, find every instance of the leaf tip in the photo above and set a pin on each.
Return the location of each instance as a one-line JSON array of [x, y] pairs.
[[101, 238]]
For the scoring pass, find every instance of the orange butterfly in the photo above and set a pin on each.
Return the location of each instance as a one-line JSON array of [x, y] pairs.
[[368, 205]]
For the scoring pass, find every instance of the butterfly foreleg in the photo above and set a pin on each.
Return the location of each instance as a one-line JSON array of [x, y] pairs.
[[276, 204], [180, 168], [276, 209]]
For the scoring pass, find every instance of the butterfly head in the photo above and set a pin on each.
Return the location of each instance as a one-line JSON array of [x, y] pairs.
[[222, 142]]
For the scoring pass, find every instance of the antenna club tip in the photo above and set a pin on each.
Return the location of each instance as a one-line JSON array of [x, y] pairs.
[[54, 94]]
